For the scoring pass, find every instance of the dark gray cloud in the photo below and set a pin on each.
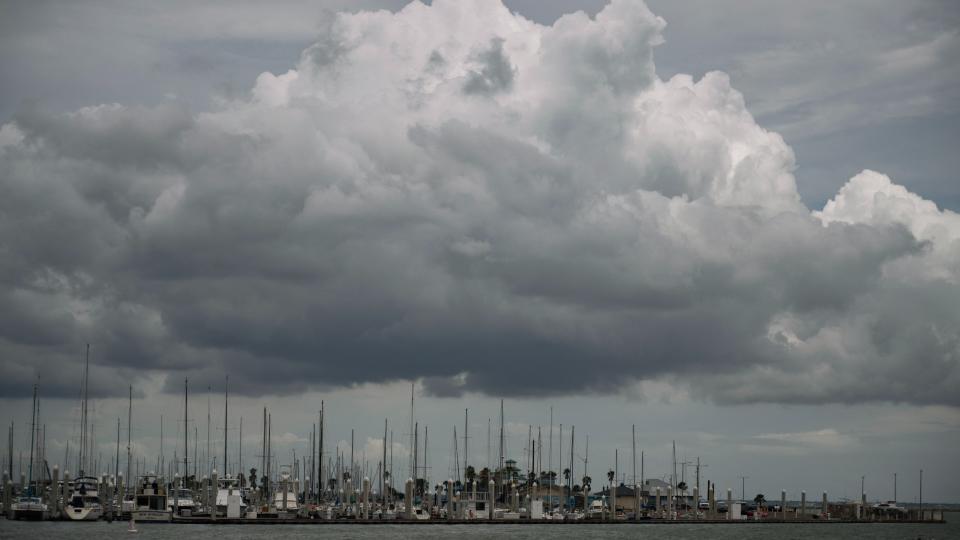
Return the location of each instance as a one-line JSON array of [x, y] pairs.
[[356, 219]]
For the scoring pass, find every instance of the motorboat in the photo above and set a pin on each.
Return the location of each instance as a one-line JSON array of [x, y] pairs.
[[180, 502], [84, 503], [285, 498], [151, 500], [30, 509]]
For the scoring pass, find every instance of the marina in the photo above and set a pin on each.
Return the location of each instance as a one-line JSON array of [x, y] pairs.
[[351, 493]]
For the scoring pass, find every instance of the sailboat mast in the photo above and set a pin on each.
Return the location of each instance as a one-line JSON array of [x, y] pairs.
[[240, 453], [186, 393], [83, 413], [550, 463], [33, 431], [207, 456], [383, 472], [466, 431], [226, 411], [500, 463], [320, 470], [116, 465], [129, 414], [263, 451], [10, 450], [269, 448], [413, 427]]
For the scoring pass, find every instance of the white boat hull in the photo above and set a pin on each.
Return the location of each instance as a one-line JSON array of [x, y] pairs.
[[82, 513], [151, 516]]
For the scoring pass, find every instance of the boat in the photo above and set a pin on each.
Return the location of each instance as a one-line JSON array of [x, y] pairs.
[[151, 500], [84, 503], [889, 507], [30, 509], [230, 501], [180, 502], [285, 498], [421, 514], [29, 506], [596, 509]]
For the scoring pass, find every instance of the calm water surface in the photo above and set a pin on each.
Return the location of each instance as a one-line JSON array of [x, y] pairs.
[[75, 531]]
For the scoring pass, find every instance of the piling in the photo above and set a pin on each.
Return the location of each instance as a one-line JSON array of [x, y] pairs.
[[110, 507], [696, 502], [803, 505], [712, 498], [213, 505], [669, 502], [613, 501], [66, 486], [863, 505], [7, 495], [449, 498], [490, 488], [23, 484], [824, 510], [408, 498], [657, 504], [120, 493], [783, 504], [729, 503], [53, 502], [366, 498]]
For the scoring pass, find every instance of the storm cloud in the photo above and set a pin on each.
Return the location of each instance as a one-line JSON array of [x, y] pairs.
[[457, 194]]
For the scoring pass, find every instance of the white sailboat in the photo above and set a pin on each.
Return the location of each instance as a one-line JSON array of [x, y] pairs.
[[29, 506]]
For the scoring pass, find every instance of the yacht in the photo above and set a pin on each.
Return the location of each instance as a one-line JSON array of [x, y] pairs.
[[84, 503], [180, 502], [30, 509], [596, 509], [889, 507], [230, 501], [151, 500], [288, 492]]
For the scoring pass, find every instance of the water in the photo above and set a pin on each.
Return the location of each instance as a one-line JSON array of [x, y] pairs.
[[98, 530]]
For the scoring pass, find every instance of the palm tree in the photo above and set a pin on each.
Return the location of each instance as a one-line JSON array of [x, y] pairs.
[[587, 481], [610, 476], [760, 500], [470, 473]]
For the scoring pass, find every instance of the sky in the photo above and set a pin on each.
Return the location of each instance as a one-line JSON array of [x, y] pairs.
[[732, 225]]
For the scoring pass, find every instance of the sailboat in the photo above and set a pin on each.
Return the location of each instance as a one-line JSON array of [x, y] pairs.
[[84, 503], [30, 506]]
